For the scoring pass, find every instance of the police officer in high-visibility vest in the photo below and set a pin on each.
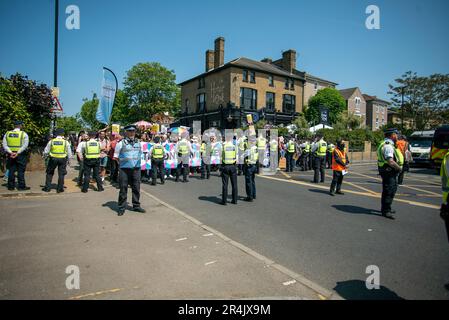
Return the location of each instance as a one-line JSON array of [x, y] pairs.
[[390, 161], [129, 152], [229, 169], [340, 163], [305, 155], [184, 150], [15, 144], [158, 154], [319, 150], [274, 151], [261, 147], [90, 153], [444, 212], [290, 152], [250, 158], [59, 152], [241, 143], [329, 153], [206, 150]]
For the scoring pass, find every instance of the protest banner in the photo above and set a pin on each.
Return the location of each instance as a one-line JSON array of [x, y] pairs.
[[172, 161], [215, 158], [145, 160], [195, 158]]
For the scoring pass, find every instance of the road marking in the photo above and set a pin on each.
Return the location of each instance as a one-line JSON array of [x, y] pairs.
[[208, 235], [300, 278], [321, 297], [210, 262], [181, 239], [414, 203], [357, 186], [95, 294], [287, 283], [406, 186]]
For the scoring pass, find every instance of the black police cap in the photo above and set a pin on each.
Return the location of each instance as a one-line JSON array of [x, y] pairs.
[[131, 127]]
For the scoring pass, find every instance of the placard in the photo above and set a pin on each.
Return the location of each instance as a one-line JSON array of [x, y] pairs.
[[216, 150], [195, 158], [172, 161]]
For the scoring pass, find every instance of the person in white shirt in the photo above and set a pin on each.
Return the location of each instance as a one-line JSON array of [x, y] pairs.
[[59, 152], [15, 144]]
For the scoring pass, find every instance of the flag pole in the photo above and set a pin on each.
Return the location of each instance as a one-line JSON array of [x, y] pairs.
[[116, 88]]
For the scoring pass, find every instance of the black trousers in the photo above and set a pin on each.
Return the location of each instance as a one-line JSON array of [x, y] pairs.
[[318, 167], [229, 171], [114, 170], [250, 180], [130, 177], [157, 168], [184, 169], [205, 169], [389, 188], [289, 162], [17, 164], [80, 171], [337, 181], [89, 166], [305, 162], [53, 163], [401, 174]]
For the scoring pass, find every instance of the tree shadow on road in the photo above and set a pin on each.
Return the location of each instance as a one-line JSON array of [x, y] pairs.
[[356, 290], [356, 210]]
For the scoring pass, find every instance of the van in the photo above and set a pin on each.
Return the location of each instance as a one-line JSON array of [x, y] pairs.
[[440, 145], [420, 143]]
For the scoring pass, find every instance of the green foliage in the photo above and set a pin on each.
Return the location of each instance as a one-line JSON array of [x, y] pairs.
[[70, 123], [89, 113], [348, 121], [151, 89], [329, 98], [426, 99], [356, 137], [28, 101], [122, 112]]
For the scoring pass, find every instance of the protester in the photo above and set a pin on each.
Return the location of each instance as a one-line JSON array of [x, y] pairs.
[[104, 146]]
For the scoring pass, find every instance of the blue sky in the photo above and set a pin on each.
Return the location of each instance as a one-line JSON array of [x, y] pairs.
[[329, 36]]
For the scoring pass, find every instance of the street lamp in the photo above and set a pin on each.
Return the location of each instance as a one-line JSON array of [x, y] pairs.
[[402, 107]]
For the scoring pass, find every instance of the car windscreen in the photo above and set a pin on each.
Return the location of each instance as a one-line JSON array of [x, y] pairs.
[[420, 143], [441, 139]]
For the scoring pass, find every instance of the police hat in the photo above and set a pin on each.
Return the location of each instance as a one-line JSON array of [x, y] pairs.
[[59, 131], [18, 123], [131, 127], [390, 131]]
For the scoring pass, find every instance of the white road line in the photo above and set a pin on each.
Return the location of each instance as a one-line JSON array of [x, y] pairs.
[[287, 283], [210, 262], [181, 239], [208, 234]]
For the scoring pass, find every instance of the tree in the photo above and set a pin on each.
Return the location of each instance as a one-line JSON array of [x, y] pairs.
[[28, 101], [329, 98], [348, 121], [425, 98], [151, 89], [70, 123], [89, 113], [122, 113]]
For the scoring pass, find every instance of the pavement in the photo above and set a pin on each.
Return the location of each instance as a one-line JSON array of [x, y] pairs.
[[295, 241], [161, 254]]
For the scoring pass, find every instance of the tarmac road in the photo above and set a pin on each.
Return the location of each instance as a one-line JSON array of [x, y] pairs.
[[332, 240]]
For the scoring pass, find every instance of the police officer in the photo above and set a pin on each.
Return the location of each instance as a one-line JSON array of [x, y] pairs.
[[291, 149], [445, 186], [128, 152], [206, 150], [340, 162], [389, 161], [251, 156], [274, 149], [229, 169], [15, 143], [90, 153], [305, 154], [184, 150], [262, 147], [241, 143], [319, 149], [59, 151], [157, 153]]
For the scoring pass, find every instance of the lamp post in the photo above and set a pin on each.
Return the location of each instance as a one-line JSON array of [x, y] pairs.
[[55, 70], [402, 108]]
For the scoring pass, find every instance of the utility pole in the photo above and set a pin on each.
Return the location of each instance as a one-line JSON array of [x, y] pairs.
[[55, 74], [402, 108]]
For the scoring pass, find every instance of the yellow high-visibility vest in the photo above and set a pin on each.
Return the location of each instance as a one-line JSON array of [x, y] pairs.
[[399, 157], [322, 148], [229, 153], [92, 150], [14, 140], [445, 177], [158, 151], [58, 148], [183, 148]]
